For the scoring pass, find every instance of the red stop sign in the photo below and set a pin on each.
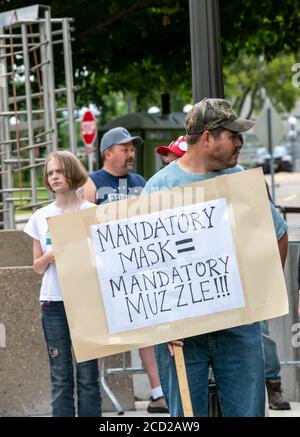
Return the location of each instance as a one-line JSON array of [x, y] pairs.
[[88, 128]]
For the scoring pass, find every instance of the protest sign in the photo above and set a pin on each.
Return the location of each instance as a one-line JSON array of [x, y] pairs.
[[169, 265], [156, 269]]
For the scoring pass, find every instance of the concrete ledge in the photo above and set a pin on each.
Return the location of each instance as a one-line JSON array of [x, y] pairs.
[[24, 370], [15, 249]]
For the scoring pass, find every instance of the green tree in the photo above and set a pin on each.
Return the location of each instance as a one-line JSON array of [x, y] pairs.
[[141, 48], [249, 78]]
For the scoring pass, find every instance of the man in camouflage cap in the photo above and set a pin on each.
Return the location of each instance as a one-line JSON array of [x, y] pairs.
[[213, 140], [213, 146]]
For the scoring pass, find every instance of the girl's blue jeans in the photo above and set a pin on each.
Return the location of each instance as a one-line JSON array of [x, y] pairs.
[[59, 347]]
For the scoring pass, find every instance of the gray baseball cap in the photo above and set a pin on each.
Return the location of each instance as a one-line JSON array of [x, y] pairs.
[[209, 114], [118, 135]]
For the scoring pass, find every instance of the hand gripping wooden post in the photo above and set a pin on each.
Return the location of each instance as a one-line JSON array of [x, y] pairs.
[[183, 382]]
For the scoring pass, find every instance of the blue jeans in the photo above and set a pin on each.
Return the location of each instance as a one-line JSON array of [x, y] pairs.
[[236, 357], [272, 363], [59, 347]]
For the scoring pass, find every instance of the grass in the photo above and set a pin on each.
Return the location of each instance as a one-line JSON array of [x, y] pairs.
[[42, 195]]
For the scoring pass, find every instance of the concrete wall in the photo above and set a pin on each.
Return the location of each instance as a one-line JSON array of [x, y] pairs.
[[15, 249], [121, 385], [24, 370]]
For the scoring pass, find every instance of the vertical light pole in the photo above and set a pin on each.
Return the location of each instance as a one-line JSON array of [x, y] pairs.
[[207, 77], [270, 147]]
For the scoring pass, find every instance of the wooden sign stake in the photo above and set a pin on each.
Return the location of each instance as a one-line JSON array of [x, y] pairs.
[[183, 381]]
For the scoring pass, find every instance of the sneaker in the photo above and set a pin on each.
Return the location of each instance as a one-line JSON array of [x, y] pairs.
[[157, 405], [277, 401]]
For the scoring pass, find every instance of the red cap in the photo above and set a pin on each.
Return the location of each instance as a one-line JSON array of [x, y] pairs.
[[178, 147]]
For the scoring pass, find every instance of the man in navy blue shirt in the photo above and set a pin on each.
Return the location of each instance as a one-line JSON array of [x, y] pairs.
[[116, 181]]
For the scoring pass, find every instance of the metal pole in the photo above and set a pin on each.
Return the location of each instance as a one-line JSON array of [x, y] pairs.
[[51, 88], [29, 113], [207, 78], [45, 81], [90, 159], [270, 146], [69, 83], [2, 85]]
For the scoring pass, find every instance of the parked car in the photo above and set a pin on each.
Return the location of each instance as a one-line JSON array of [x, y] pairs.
[[283, 160]]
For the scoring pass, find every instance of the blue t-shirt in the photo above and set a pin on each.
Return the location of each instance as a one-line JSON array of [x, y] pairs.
[[111, 188], [173, 176]]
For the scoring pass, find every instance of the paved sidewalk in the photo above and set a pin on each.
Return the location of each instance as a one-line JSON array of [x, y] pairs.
[[141, 411], [294, 412]]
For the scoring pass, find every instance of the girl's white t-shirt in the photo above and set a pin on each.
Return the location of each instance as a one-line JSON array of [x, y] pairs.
[[37, 228]]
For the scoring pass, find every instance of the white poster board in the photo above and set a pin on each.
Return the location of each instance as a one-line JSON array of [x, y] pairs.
[[156, 269]]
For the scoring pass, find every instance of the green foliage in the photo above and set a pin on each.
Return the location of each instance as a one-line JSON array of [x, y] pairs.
[[259, 27], [141, 48]]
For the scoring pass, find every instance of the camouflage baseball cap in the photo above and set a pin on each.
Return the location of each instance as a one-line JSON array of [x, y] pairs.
[[209, 114]]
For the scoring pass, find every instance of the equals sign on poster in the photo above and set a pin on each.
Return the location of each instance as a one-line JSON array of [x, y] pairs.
[[185, 245]]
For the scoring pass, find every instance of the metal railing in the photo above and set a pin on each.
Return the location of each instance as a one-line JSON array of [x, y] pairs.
[[30, 111], [123, 370]]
